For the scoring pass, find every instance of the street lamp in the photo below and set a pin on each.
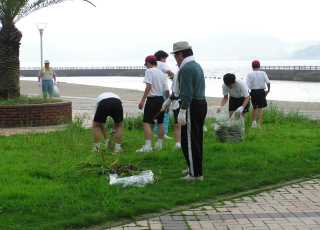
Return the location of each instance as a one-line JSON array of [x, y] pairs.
[[41, 27]]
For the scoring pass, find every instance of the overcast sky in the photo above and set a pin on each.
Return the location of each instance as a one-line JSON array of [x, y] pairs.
[[124, 31]]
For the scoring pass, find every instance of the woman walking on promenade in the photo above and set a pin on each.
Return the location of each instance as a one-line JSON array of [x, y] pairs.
[[46, 78], [257, 81]]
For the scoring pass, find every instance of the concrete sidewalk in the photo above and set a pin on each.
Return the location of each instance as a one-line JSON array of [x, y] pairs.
[[295, 206]]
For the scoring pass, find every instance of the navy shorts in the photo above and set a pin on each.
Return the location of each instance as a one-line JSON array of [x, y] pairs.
[[258, 98], [109, 107], [152, 110], [235, 103]]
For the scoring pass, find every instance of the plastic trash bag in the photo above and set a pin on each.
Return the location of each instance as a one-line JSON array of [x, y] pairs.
[[140, 180], [229, 129], [55, 91]]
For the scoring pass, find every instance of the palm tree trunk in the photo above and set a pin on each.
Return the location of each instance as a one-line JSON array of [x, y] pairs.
[[10, 38]]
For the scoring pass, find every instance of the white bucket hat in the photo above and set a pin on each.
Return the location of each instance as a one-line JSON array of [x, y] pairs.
[[179, 46], [46, 62]]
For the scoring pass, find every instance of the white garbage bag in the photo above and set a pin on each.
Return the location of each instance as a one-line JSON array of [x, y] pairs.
[[55, 91], [229, 129], [140, 180]]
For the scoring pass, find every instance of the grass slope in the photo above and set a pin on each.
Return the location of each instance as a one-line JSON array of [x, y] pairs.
[[43, 187]]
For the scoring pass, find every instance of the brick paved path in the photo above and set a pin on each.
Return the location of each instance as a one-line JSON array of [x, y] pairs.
[[292, 207]]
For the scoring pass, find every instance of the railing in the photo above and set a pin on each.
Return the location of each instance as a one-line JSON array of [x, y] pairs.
[[290, 67], [91, 68]]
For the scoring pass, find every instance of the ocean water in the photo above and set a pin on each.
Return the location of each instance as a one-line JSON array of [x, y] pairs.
[[214, 70]]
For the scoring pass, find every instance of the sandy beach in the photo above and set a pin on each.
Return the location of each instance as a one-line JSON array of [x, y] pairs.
[[83, 98]]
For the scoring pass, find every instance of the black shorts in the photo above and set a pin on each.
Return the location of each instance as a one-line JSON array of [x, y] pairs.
[[109, 107], [235, 103], [175, 115], [258, 98], [152, 110]]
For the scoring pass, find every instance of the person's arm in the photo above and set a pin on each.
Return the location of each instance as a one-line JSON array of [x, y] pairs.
[[186, 88], [170, 74], [145, 95], [267, 82]]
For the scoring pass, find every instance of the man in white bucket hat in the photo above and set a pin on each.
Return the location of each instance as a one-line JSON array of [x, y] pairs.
[[191, 90]]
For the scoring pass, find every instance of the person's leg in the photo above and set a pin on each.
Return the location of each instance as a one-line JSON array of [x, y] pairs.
[[260, 116], [177, 134], [44, 88], [97, 132], [197, 117], [147, 134], [50, 88], [166, 121], [118, 127]]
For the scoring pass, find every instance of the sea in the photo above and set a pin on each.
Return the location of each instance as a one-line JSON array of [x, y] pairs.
[[214, 71]]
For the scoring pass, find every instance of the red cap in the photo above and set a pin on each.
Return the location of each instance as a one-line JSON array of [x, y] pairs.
[[150, 58], [255, 64]]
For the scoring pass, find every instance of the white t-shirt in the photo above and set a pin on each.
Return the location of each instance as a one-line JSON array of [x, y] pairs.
[[163, 67], [46, 74], [238, 90], [157, 80], [257, 79], [106, 95]]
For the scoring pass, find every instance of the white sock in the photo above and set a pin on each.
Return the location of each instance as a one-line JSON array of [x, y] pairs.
[[96, 145], [178, 145], [160, 141], [148, 143], [117, 146]]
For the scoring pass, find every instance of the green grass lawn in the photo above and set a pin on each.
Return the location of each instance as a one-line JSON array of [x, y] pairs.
[[43, 187], [23, 100]]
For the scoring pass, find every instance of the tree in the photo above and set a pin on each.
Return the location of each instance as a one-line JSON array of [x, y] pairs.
[[10, 12]]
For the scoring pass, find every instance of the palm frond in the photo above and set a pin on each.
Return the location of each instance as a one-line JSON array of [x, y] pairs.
[[33, 5]]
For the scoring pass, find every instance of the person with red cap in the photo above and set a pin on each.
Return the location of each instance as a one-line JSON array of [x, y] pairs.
[[151, 101], [257, 81]]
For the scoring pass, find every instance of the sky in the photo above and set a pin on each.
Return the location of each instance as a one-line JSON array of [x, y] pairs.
[[125, 31]]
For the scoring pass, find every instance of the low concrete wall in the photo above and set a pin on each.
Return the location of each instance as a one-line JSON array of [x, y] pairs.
[[35, 114], [294, 75], [87, 72]]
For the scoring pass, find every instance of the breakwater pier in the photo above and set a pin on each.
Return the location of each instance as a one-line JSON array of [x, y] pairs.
[[293, 73], [281, 73]]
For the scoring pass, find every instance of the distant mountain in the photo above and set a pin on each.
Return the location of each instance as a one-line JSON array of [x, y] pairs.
[[311, 52]]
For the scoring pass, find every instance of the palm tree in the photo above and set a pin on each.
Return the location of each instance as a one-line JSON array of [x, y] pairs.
[[10, 12]]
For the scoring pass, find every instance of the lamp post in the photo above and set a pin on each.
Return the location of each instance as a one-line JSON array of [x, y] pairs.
[[41, 27]]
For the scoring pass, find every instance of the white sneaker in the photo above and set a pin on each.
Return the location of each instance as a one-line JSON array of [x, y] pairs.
[[144, 149], [178, 146], [117, 150], [254, 125], [192, 178], [158, 146], [167, 137]]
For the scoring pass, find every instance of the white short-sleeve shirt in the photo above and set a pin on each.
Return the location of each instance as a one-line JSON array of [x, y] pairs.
[[46, 74], [158, 81], [164, 67], [257, 79], [238, 90], [106, 95]]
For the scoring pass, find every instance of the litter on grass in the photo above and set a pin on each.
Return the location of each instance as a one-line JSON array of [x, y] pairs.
[[140, 180]]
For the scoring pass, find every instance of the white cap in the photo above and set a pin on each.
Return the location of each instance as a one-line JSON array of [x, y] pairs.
[[46, 62]]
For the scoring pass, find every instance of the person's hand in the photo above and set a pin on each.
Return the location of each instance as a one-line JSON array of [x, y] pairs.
[[267, 92], [166, 104], [141, 104], [182, 117], [240, 109]]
